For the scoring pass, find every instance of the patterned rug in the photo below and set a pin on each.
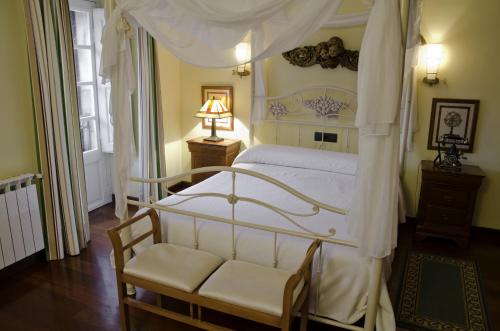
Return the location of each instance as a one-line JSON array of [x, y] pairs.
[[440, 293]]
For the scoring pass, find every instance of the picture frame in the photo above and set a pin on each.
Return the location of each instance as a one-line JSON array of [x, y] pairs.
[[463, 111], [225, 94]]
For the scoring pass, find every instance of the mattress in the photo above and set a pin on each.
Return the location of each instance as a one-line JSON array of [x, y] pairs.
[[340, 281]]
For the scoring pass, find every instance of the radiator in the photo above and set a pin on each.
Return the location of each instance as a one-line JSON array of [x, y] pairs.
[[21, 233]]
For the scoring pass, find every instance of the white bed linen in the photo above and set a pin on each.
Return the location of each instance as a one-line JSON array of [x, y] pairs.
[[345, 276]]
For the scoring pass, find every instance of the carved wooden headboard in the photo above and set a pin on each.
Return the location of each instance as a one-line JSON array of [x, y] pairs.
[[300, 117]]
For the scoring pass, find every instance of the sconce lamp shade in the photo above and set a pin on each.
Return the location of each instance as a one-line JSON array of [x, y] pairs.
[[243, 55], [433, 58], [213, 109], [242, 52]]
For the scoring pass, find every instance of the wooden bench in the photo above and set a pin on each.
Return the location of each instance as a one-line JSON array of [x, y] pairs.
[[263, 294]]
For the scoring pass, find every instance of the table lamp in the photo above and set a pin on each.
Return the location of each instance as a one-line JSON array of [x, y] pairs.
[[213, 109]]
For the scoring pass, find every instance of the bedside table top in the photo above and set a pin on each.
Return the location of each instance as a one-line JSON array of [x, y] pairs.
[[226, 142], [468, 170]]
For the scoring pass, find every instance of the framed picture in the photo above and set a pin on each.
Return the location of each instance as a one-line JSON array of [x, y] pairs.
[[455, 116], [225, 95]]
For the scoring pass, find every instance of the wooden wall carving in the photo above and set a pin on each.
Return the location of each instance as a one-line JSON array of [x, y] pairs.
[[328, 54]]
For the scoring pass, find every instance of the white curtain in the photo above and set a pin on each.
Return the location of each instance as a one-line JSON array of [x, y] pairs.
[[374, 211], [409, 115], [191, 28]]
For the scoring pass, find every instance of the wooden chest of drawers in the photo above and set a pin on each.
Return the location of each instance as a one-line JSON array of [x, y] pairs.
[[206, 154], [447, 200]]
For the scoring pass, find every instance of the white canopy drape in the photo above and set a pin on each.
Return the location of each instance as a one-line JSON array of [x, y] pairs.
[[409, 115], [204, 33], [375, 208]]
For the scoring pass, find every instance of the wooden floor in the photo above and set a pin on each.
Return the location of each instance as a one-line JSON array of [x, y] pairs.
[[78, 293]]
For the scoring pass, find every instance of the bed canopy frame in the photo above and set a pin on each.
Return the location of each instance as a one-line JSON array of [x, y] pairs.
[[376, 118]]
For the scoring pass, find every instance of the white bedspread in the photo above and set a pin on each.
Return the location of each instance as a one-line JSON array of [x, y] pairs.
[[344, 277]]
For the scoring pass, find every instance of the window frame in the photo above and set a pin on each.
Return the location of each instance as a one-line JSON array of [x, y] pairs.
[[88, 6]]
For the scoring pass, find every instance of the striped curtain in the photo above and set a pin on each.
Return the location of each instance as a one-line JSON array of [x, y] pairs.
[[151, 132], [58, 129]]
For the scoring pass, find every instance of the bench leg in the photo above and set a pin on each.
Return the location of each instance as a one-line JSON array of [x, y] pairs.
[[124, 309], [304, 315]]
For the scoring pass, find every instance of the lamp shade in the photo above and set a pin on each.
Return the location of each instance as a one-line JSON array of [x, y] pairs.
[[243, 52], [433, 59], [213, 108]]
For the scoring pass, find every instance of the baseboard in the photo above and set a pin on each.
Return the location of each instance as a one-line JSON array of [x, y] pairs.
[[485, 232], [129, 197], [476, 231], [19, 266]]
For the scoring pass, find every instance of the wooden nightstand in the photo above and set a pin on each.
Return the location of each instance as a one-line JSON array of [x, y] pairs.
[[206, 154], [447, 200]]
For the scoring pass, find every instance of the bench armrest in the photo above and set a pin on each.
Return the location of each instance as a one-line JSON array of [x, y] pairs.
[[303, 273], [116, 240]]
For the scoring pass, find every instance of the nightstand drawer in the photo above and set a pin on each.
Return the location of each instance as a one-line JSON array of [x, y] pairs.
[[448, 196], [446, 216], [447, 199], [199, 161]]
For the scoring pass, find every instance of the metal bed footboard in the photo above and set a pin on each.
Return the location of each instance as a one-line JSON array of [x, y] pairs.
[[288, 215]]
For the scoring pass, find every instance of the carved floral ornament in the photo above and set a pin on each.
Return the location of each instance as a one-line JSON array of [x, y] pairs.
[[277, 109], [328, 54], [325, 106]]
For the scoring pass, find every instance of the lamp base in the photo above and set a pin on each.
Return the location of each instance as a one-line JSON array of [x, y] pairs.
[[213, 139]]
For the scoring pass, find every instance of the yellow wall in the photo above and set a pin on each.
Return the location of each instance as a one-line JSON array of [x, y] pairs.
[[469, 31], [170, 74], [283, 78], [180, 85], [17, 128], [192, 78]]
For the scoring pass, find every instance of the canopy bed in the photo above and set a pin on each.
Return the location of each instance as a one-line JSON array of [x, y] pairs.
[[358, 228]]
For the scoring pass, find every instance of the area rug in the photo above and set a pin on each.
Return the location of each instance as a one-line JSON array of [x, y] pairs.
[[440, 293]]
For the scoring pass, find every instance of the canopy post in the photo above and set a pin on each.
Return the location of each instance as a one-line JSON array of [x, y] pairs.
[[373, 295]]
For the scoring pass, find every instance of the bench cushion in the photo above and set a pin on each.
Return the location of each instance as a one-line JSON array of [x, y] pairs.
[[175, 266], [249, 285]]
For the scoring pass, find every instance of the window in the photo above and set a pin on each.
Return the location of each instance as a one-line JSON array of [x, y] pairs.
[[96, 127]]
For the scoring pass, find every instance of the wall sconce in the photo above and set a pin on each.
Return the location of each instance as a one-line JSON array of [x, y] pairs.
[[243, 54], [433, 56]]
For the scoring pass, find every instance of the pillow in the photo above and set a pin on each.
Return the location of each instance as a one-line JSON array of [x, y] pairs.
[[300, 157]]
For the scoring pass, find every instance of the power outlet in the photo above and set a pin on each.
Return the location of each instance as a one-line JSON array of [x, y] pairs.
[[325, 137]]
